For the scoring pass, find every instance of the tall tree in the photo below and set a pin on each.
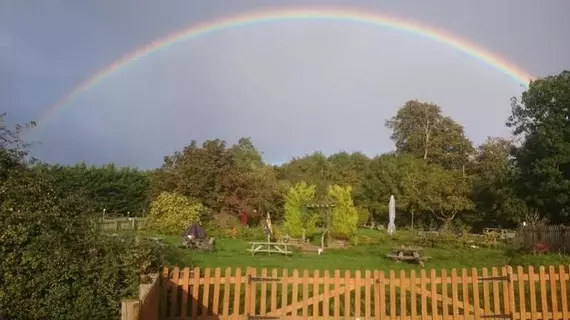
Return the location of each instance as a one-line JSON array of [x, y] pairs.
[[246, 154], [542, 119], [314, 169], [348, 168], [494, 177], [445, 194], [391, 174], [208, 174], [422, 130]]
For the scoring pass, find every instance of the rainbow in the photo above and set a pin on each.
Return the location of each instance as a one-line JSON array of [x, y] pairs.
[[253, 18]]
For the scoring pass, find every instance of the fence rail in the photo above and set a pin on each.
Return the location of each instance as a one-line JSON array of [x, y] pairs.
[[498, 293], [556, 238], [121, 224]]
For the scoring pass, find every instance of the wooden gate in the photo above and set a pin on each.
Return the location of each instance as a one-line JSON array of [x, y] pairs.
[[283, 294]]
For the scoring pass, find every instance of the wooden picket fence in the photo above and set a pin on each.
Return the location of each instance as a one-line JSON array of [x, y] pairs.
[[499, 293]]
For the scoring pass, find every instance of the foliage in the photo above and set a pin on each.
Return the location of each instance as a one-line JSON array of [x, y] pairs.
[[297, 217], [445, 193], [454, 240], [363, 215], [340, 168], [13, 149], [344, 217], [541, 117], [494, 178], [420, 129], [222, 179], [172, 213], [55, 265], [119, 191], [383, 178]]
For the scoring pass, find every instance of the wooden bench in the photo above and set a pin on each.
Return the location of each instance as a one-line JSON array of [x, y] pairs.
[[269, 247]]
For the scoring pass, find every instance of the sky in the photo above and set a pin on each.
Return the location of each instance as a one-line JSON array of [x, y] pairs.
[[293, 86]]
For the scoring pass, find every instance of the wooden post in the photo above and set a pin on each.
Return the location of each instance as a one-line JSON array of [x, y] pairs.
[[116, 225], [134, 224], [130, 309]]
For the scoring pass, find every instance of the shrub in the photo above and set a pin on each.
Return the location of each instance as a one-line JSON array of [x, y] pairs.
[[297, 217], [344, 216], [222, 224], [54, 263], [450, 240], [172, 213]]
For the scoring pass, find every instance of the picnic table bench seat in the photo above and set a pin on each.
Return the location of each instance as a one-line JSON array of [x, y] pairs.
[[269, 247]]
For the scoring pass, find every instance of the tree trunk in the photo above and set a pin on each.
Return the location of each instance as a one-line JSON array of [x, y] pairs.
[[427, 138]]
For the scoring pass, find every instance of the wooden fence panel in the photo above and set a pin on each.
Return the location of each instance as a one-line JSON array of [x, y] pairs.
[[467, 294], [121, 224], [557, 238]]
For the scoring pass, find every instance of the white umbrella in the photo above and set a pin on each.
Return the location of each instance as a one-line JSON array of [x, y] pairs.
[[268, 221], [392, 215]]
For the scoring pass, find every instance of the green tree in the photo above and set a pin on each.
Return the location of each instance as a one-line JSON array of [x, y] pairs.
[[348, 168], [541, 118], [208, 174], [420, 129], [246, 154], [445, 194], [314, 169], [494, 178], [344, 216], [171, 213], [391, 174], [297, 217]]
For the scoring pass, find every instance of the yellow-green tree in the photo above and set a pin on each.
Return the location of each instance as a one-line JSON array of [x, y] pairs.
[[171, 213], [297, 217], [344, 217]]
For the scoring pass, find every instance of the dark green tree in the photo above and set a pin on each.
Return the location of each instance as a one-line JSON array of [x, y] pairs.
[[541, 118]]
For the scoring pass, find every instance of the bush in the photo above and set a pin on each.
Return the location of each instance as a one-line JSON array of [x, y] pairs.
[[172, 213], [297, 217], [344, 217], [54, 263], [450, 240], [222, 224]]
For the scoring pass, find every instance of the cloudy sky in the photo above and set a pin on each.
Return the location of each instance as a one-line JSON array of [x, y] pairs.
[[294, 86]]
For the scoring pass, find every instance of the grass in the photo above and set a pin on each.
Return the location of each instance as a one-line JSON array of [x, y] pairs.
[[232, 253]]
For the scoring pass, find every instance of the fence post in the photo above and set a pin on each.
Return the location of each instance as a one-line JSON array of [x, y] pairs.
[[130, 309]]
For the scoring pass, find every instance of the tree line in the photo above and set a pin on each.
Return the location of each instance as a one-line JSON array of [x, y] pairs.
[[438, 176]]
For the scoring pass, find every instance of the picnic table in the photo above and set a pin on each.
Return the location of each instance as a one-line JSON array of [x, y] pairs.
[[404, 253], [269, 247]]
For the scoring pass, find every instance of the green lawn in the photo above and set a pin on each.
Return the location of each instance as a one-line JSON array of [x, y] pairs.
[[232, 253]]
